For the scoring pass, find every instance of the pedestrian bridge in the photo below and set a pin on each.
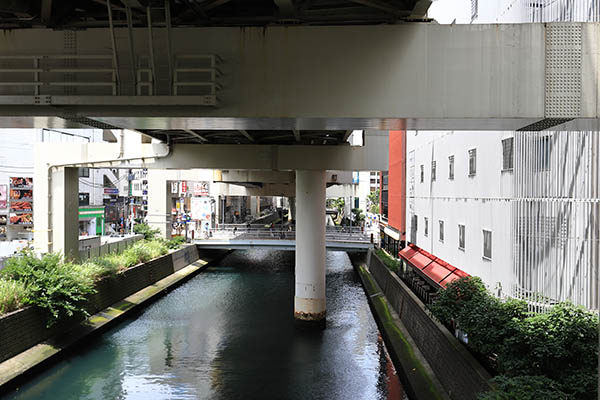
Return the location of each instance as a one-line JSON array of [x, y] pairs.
[[349, 239]]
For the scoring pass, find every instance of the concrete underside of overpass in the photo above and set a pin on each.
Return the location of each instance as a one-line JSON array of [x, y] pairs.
[[411, 76]]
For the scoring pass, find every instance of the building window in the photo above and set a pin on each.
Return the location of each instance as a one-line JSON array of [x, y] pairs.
[[422, 173], [433, 171], [441, 231], [426, 226], [507, 154], [84, 172], [461, 237], [544, 149], [472, 162], [474, 10], [451, 167], [487, 244]]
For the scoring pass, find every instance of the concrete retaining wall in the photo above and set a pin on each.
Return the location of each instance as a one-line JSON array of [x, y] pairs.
[[25, 328], [111, 247], [459, 373]]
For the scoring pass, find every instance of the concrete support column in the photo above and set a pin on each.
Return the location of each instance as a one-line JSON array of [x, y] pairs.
[[309, 300], [254, 207], [56, 210], [292, 208], [159, 202]]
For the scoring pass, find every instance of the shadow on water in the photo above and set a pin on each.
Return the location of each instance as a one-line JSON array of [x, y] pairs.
[[229, 333]]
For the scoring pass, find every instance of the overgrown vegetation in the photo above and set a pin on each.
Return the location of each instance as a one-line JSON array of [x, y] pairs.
[[373, 202], [13, 295], [392, 263], [61, 288], [51, 284], [551, 356], [358, 216], [145, 229]]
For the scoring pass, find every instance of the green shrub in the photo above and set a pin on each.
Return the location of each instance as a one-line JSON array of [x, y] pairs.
[[524, 388], [144, 229], [560, 346], [176, 242], [388, 260], [56, 287], [13, 295]]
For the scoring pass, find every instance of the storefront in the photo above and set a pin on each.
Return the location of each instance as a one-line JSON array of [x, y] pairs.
[[390, 240], [91, 221]]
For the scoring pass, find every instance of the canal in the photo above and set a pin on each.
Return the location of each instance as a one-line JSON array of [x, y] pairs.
[[228, 333]]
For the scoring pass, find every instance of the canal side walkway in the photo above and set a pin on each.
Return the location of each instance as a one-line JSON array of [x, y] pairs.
[[15, 370], [416, 374], [431, 361]]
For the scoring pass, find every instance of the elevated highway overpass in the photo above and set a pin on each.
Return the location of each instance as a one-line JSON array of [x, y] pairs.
[[278, 86]]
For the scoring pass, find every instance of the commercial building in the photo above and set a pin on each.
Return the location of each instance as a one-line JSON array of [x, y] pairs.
[[519, 209], [17, 184], [393, 195]]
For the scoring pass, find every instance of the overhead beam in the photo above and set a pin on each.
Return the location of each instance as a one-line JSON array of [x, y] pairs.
[[46, 11], [133, 4], [286, 8], [246, 134], [498, 78], [380, 5], [106, 4], [215, 4], [371, 157], [196, 135], [347, 135]]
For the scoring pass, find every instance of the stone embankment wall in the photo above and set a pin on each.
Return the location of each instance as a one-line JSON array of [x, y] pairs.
[[25, 328], [457, 370]]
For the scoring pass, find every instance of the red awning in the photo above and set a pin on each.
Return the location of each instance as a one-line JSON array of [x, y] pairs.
[[434, 269]]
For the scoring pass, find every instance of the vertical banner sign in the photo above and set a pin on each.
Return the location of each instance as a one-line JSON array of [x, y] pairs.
[[3, 195], [183, 186], [200, 189]]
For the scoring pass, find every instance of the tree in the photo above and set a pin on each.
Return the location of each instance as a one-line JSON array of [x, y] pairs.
[[373, 202], [357, 216]]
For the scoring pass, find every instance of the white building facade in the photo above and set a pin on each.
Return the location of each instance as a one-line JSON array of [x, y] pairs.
[[519, 209]]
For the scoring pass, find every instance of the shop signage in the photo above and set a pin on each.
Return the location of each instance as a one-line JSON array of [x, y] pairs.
[[111, 191], [200, 189], [201, 208], [3, 195]]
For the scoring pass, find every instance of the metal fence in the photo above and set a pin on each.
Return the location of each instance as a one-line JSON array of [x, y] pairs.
[[107, 248], [259, 232]]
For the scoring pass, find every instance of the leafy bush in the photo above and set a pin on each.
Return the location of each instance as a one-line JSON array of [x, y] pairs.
[[54, 286], [145, 229], [560, 346], [60, 288], [176, 242], [389, 261], [524, 388], [13, 295]]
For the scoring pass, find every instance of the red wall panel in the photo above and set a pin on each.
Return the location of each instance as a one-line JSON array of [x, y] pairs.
[[397, 182]]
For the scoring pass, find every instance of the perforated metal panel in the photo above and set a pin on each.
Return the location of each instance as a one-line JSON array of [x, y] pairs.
[[563, 71]]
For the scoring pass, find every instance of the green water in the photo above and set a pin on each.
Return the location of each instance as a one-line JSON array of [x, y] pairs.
[[228, 333]]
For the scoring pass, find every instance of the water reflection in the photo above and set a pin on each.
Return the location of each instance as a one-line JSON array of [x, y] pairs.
[[229, 333]]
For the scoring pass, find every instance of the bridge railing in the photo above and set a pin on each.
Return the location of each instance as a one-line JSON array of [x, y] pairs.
[[243, 232]]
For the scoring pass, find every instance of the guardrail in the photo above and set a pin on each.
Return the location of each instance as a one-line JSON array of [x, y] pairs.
[[236, 232], [62, 74], [107, 248]]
